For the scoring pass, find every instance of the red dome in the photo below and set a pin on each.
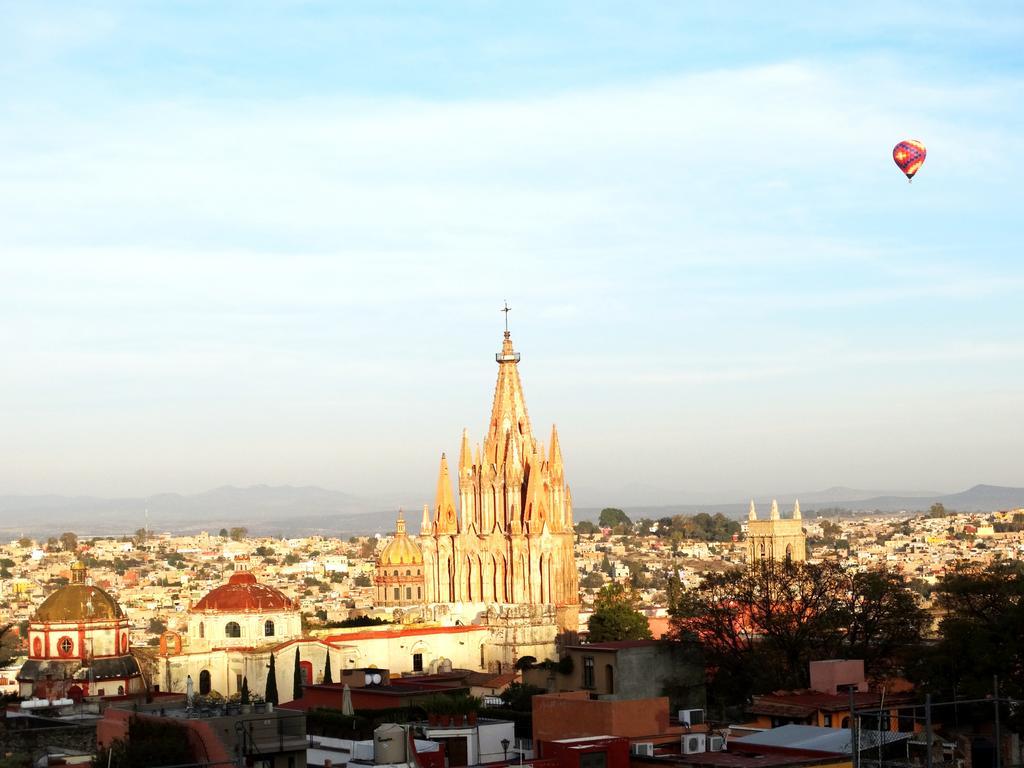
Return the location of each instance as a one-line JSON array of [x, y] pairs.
[[243, 593]]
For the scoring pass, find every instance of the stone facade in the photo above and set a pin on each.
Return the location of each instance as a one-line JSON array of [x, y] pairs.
[[776, 538], [510, 542]]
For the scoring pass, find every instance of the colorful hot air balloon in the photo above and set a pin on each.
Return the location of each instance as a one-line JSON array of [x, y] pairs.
[[909, 155]]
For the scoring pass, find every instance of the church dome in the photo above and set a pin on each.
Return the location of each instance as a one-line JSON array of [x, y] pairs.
[[78, 602], [244, 593], [401, 550]]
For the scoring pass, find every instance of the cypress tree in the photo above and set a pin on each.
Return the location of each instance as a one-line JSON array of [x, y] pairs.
[[245, 691], [328, 677], [271, 694], [297, 680]]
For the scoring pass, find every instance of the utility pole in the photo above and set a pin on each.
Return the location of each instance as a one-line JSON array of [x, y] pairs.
[[995, 699], [928, 728], [854, 741]]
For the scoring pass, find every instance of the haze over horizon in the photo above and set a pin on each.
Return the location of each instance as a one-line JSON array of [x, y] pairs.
[[264, 244]]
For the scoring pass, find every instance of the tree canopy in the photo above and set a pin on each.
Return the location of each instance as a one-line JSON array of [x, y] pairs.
[[615, 618], [979, 635], [761, 626], [611, 517]]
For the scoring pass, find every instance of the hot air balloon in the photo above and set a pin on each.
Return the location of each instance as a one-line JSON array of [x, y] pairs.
[[909, 155]]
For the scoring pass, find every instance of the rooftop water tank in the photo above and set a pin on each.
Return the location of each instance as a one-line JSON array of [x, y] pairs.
[[388, 744]]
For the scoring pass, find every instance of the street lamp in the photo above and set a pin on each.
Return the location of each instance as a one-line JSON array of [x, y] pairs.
[[504, 747]]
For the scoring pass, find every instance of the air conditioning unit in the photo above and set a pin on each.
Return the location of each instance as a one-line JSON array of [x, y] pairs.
[[644, 749], [716, 743], [692, 743], [691, 716]]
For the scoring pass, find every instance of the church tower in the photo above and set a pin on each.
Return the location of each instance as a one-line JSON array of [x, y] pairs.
[[776, 538], [511, 542]]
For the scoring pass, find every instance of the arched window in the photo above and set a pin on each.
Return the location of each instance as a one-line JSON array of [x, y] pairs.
[[232, 629], [202, 629], [397, 593], [789, 552], [408, 593], [204, 682], [268, 628], [37, 647], [419, 593], [396, 571], [120, 690], [408, 572]]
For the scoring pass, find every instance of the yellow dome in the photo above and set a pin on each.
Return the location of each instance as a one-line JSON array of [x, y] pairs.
[[78, 602], [401, 550]]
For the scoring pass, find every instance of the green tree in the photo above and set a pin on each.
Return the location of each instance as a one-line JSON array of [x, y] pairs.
[[9, 641], [69, 541], [223, 533], [362, 580], [760, 626], [937, 510], [150, 743], [328, 677], [25, 542], [270, 693], [592, 580], [157, 626], [238, 533], [244, 697], [518, 696], [297, 677], [615, 618], [979, 635], [611, 517], [585, 528]]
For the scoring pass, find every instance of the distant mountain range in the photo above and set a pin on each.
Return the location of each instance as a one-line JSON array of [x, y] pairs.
[[980, 498], [269, 510], [305, 510]]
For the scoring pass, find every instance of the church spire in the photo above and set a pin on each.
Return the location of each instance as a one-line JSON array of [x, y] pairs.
[[465, 456], [400, 524], [752, 513], [508, 412], [425, 527], [444, 503], [556, 454], [775, 510], [796, 510]]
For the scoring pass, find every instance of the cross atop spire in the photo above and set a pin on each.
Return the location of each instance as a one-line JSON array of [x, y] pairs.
[[506, 310]]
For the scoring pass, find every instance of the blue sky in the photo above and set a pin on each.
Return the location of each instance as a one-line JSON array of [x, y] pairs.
[[268, 242]]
